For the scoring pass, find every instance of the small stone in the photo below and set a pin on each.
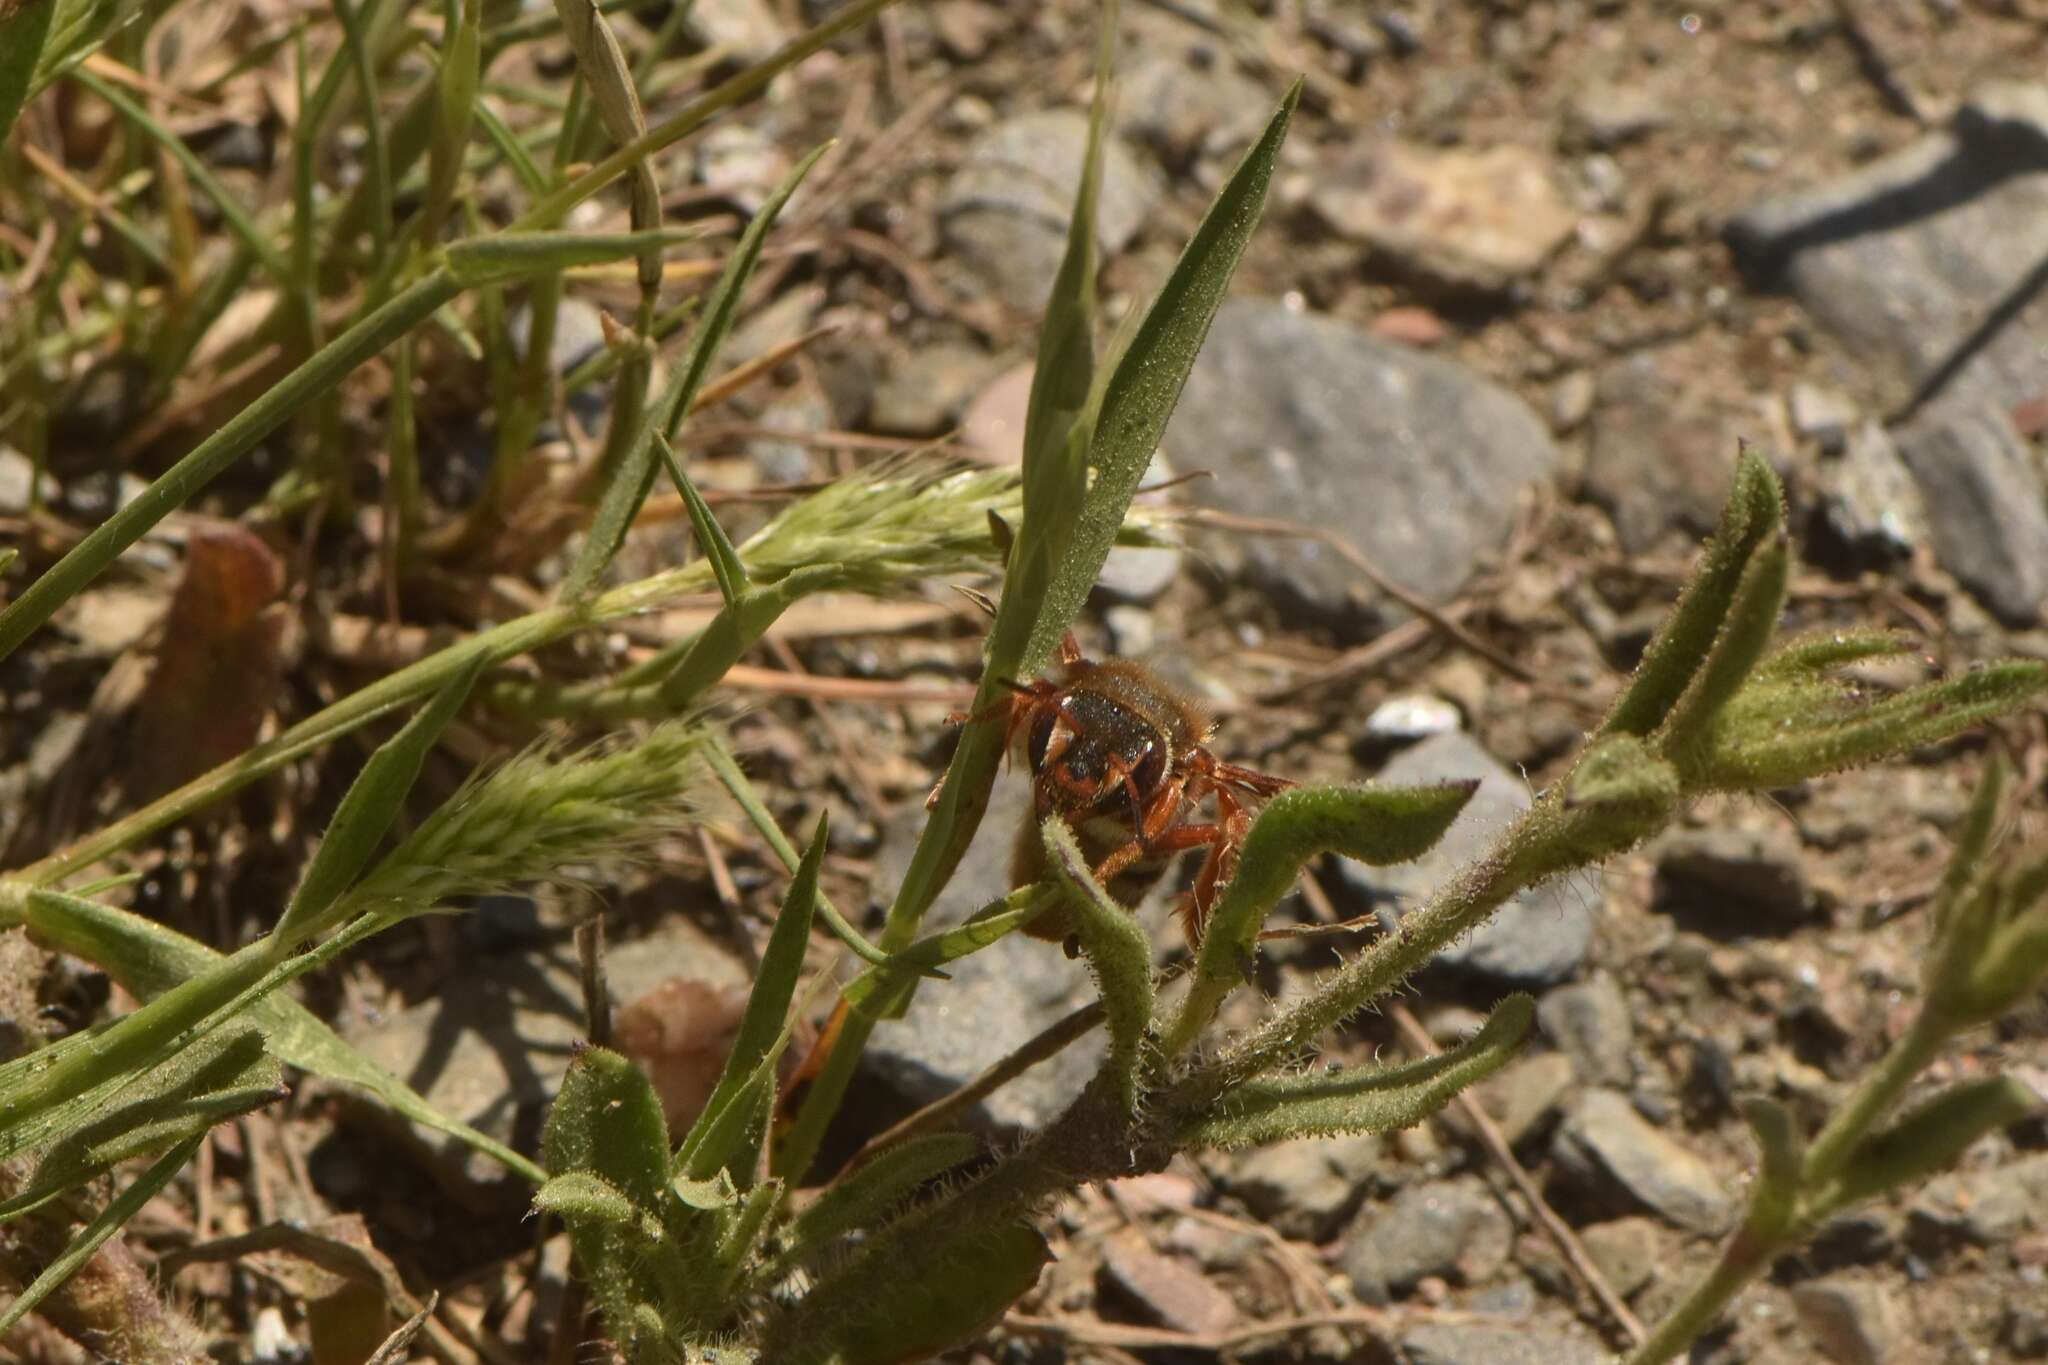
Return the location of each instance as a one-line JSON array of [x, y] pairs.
[[1541, 936], [926, 392], [1608, 1148], [1185, 106], [1728, 881], [1005, 209], [1462, 219], [1409, 326], [1590, 1022], [491, 1046], [1165, 1289], [1853, 1322], [1626, 1251], [1132, 631], [1520, 1096], [1571, 402], [1663, 447], [1987, 1207], [1444, 1343], [740, 161], [1986, 508], [1452, 1228], [1869, 504], [1139, 573], [1607, 115], [17, 477], [965, 27], [1305, 1188], [2025, 1331], [1412, 458], [1823, 416], [994, 424], [1406, 719], [747, 29], [999, 998], [1905, 260]]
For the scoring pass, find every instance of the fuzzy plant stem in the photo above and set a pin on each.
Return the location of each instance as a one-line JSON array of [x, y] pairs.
[[1752, 1248]]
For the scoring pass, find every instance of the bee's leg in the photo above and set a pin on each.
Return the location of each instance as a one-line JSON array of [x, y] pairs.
[[1154, 822], [1070, 649], [1225, 839]]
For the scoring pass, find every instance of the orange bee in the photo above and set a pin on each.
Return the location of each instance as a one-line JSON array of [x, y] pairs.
[[1119, 754]]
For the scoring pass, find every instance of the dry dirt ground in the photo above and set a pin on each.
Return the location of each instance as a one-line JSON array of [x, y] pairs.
[[1555, 203]]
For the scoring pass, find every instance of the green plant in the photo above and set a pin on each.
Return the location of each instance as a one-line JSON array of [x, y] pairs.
[[693, 1247]]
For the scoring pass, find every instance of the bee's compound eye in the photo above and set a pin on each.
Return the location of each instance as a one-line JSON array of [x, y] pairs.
[[1040, 737], [1151, 770]]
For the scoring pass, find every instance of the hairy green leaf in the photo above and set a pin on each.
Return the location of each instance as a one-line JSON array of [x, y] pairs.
[[607, 1120], [587, 1197], [1930, 1136], [1362, 1100], [1118, 953], [1747, 629], [861, 1198], [1774, 1201], [1754, 513]]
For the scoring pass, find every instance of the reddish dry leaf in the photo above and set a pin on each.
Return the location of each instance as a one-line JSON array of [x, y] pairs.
[[218, 664]]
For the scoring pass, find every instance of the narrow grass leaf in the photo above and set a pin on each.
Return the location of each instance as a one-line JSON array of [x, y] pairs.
[[503, 257], [148, 958], [711, 538], [620, 500], [372, 802], [1118, 953], [21, 43], [712, 1143], [228, 1074], [923, 957], [1146, 381], [1363, 1100], [95, 1234]]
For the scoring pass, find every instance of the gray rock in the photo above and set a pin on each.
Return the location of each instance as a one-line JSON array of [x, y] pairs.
[[1986, 508], [1823, 416], [1541, 936], [1184, 105], [1869, 503], [1590, 1022], [740, 161], [579, 332], [18, 479], [1412, 458], [1004, 212], [998, 999], [1626, 1251], [491, 1045], [1132, 631], [924, 393], [1452, 1228], [1461, 219], [1734, 880], [1920, 262], [1306, 1187], [1607, 1147], [1166, 1289], [748, 29], [1605, 115], [1853, 1322], [1444, 1343], [1139, 573], [1663, 446], [1412, 716], [1987, 1206], [1524, 1093]]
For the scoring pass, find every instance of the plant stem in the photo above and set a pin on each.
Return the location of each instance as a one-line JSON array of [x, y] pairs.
[[1877, 1092], [1741, 1261]]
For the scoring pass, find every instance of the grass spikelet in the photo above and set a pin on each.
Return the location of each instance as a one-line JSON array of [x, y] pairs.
[[540, 814]]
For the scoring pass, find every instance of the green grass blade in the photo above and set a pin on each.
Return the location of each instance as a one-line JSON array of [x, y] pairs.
[[109, 1221], [782, 963], [630, 482], [21, 43], [1147, 378], [712, 542], [89, 558], [148, 958], [372, 802]]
